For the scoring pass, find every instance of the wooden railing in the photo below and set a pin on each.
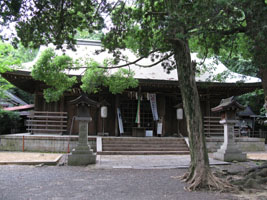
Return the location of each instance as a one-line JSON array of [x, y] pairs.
[[43, 122], [213, 128]]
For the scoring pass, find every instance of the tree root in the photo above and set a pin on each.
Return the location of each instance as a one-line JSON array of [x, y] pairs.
[[205, 179], [255, 178], [256, 169]]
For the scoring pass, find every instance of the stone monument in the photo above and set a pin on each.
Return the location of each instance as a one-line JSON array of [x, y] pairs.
[[229, 150], [82, 154]]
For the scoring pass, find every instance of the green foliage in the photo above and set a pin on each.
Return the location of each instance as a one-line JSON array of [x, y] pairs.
[[9, 56], [121, 80], [95, 77], [253, 99], [28, 98], [7, 59], [238, 58], [50, 69], [86, 35], [241, 43], [50, 21], [4, 85], [221, 77], [8, 120], [241, 66], [24, 54]]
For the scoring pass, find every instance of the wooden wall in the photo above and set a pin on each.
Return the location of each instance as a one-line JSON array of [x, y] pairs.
[[165, 104]]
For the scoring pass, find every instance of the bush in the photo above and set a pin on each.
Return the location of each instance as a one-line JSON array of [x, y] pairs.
[[8, 121]]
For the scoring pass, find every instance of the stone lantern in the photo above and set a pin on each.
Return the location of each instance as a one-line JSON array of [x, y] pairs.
[[229, 150], [82, 154]]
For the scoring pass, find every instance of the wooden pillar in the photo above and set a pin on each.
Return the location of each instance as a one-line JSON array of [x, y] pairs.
[[56, 106], [208, 106], [43, 104], [36, 105], [61, 107]]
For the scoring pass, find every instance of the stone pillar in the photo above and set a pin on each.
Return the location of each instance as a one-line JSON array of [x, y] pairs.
[[82, 154], [229, 150]]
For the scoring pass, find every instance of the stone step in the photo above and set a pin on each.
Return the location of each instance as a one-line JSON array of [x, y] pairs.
[[146, 145], [143, 153], [144, 149], [143, 146], [142, 141]]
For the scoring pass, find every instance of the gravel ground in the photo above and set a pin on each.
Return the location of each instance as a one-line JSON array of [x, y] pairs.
[[111, 180], [65, 182]]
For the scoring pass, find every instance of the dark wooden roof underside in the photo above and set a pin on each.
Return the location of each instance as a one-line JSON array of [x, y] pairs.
[[24, 81]]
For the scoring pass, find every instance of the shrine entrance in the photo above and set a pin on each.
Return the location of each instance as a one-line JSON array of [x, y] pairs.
[[129, 112]]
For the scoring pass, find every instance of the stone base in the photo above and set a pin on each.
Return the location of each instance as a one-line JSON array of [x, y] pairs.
[[81, 156], [230, 156]]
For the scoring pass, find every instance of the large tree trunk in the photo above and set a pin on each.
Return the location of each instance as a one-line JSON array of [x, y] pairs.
[[263, 74], [199, 174]]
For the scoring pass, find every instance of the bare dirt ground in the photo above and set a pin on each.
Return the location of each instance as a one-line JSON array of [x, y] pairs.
[[257, 156], [28, 158]]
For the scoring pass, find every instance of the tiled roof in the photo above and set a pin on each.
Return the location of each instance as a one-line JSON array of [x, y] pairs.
[[86, 48]]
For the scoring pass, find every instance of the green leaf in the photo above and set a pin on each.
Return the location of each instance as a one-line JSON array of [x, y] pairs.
[[50, 69]]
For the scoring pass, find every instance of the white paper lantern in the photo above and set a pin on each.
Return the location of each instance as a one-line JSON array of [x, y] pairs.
[[179, 113], [104, 111]]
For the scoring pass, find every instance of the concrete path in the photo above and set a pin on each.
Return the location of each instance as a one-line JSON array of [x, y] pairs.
[[115, 161], [104, 161], [146, 161]]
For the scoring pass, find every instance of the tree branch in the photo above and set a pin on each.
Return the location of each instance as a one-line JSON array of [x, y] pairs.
[[156, 13], [152, 65], [223, 32], [132, 63], [233, 31]]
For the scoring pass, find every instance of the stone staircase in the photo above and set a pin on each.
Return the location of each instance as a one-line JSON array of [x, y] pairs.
[[143, 146]]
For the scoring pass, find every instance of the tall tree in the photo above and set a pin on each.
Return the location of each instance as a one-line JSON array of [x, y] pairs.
[[51, 21], [167, 27], [241, 44], [255, 16], [157, 28]]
